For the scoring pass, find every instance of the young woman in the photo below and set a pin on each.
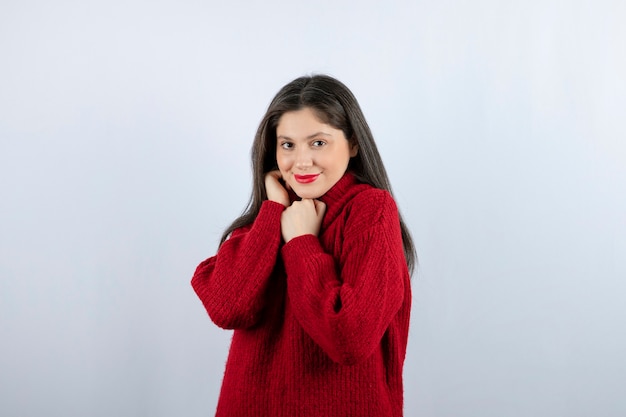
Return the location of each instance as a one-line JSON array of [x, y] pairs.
[[314, 276]]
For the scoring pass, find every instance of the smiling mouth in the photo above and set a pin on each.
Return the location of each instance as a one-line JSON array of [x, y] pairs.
[[306, 179]]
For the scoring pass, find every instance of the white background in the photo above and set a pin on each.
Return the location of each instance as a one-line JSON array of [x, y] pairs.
[[125, 130]]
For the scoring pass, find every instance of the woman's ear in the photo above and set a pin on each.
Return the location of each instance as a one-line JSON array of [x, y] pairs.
[[354, 149]]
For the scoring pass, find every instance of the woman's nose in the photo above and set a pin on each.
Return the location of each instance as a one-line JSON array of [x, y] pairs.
[[303, 159]]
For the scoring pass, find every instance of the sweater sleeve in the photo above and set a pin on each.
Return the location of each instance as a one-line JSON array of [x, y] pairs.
[[346, 305], [231, 284]]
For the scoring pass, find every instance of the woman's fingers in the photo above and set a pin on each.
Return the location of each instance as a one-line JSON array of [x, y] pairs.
[[302, 218], [320, 208], [274, 189]]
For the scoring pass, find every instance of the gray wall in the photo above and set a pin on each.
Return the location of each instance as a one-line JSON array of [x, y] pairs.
[[125, 128]]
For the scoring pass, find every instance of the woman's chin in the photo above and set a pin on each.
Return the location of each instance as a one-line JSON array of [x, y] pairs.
[[305, 194]]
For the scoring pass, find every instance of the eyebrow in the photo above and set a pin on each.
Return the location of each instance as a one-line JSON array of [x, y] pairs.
[[307, 138]]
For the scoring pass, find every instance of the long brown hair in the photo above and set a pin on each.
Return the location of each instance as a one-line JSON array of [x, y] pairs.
[[335, 105]]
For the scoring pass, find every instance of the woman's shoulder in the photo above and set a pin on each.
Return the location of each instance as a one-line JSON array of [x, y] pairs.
[[372, 195], [371, 205]]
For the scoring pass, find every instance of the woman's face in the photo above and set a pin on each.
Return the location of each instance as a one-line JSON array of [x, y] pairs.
[[312, 156]]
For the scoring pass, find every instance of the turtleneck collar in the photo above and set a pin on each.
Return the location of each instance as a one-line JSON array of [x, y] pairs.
[[338, 191], [337, 197]]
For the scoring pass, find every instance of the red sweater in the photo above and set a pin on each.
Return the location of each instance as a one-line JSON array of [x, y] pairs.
[[321, 323]]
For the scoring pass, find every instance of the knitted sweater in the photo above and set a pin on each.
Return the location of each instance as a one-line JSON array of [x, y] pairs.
[[321, 323]]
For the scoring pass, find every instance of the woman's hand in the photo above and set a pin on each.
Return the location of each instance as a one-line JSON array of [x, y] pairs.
[[302, 218], [274, 189]]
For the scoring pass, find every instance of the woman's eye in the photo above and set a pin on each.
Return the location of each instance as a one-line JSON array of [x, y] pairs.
[[286, 145], [319, 143]]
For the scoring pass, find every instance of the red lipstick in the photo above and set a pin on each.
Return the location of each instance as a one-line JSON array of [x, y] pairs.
[[306, 179]]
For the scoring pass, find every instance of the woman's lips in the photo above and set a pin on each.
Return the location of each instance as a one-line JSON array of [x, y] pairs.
[[305, 179]]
